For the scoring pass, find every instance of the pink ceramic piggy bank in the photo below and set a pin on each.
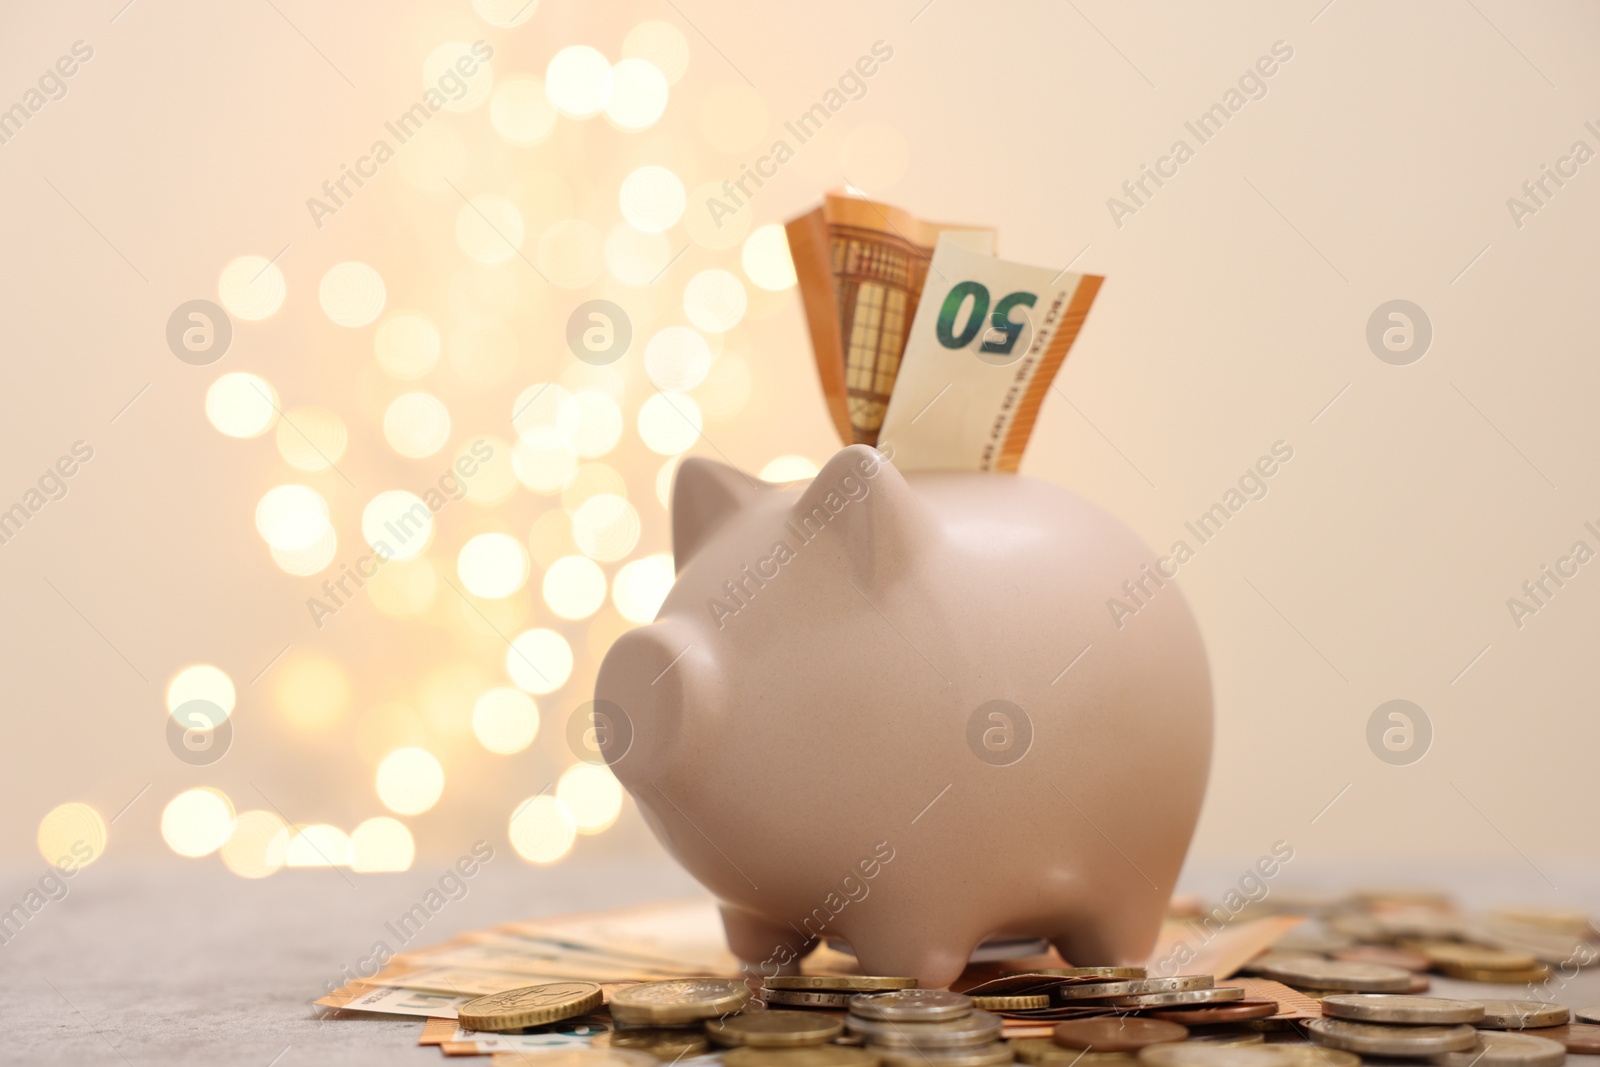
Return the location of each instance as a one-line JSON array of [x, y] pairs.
[[898, 710]]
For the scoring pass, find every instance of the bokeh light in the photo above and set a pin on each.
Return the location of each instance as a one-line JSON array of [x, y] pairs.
[[664, 477], [636, 258], [489, 229], [734, 118], [311, 690], [592, 794], [71, 835], [397, 524], [542, 829], [410, 781], [669, 423], [677, 358], [494, 480], [605, 527], [352, 294], [407, 345], [641, 585], [544, 469], [201, 681], [258, 846], [539, 661], [714, 300], [662, 45], [197, 822], [579, 81], [308, 559], [786, 469], [574, 587], [311, 439], [598, 420], [492, 565], [652, 198], [592, 479], [520, 111], [381, 844], [766, 259], [416, 425], [318, 845], [241, 405], [551, 537], [505, 720], [446, 68], [638, 95], [505, 13], [290, 517], [251, 288], [572, 253]]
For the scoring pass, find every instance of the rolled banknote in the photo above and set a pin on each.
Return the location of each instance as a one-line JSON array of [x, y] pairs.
[[986, 342], [860, 267]]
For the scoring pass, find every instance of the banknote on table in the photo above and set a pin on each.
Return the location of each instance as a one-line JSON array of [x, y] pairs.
[[389, 1000], [456, 1040], [988, 338], [860, 266]]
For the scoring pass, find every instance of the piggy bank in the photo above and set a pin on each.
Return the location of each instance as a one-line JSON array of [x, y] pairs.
[[914, 712]]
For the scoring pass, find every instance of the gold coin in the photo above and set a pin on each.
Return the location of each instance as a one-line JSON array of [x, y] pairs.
[[814, 1056], [1045, 1052], [1521, 1015], [1317, 1056], [1013, 1003], [1396, 1008], [1506, 1048], [775, 1029], [1230, 1039], [1134, 988], [1379, 1039], [531, 1005], [995, 1055], [857, 983], [1537, 973], [679, 1000], [1454, 954], [1197, 1054], [1081, 972], [809, 998], [662, 1044]]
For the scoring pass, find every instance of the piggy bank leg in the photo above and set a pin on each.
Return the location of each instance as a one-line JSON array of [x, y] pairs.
[[1116, 936], [764, 947], [933, 959]]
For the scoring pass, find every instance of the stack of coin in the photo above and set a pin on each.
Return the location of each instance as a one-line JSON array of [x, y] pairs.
[[1450, 1033], [927, 1028], [830, 992]]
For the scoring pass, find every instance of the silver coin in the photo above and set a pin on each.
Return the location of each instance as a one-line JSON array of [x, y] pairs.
[[1506, 1048], [1378, 1039], [1181, 999], [1196, 1054], [1228, 1039], [1589, 1015], [1134, 988], [808, 998], [997, 1054], [1340, 976], [1314, 941], [974, 1028], [911, 1005], [1394, 1008], [1522, 1015]]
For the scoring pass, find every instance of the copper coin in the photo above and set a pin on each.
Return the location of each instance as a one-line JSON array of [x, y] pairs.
[[1419, 984], [1393, 957], [1124, 1034], [1577, 1037], [1237, 1012]]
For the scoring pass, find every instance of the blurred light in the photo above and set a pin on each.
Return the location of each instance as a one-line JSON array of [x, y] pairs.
[[416, 425], [539, 661], [310, 559], [766, 258], [677, 358], [578, 81], [636, 258], [572, 253], [662, 45], [592, 479], [638, 95], [71, 835], [505, 720], [352, 294], [520, 112], [726, 390], [669, 423], [574, 587], [311, 690], [551, 537], [318, 845], [664, 481], [492, 565], [711, 226], [435, 157], [381, 844], [197, 822], [201, 681], [407, 345], [489, 228], [541, 417], [505, 13], [311, 439], [733, 118], [482, 352], [598, 420], [251, 288], [875, 155], [593, 795], [605, 527], [785, 469], [403, 588], [444, 61], [652, 199], [241, 405], [397, 524], [258, 846], [495, 480], [543, 469], [641, 585], [290, 517], [714, 300], [409, 781], [542, 829]]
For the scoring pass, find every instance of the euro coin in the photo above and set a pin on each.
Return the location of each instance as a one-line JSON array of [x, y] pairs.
[[1582, 1038], [911, 1005], [1217, 995], [838, 983], [1521, 1015], [1405, 959], [678, 1000], [1317, 1056], [1123, 973], [1377, 1039], [1014, 1003], [1337, 976], [814, 1056], [532, 1005], [1505, 1048], [1537, 973], [775, 1029], [1262, 963], [1195, 1054], [1475, 957], [992, 1055], [809, 998], [1589, 1015], [1044, 1052], [669, 1045], [1393, 1008], [1230, 1038], [1124, 1034], [974, 1028], [1236, 1012], [1134, 988]]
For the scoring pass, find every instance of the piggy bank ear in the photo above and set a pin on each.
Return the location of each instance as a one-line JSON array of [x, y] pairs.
[[640, 693], [861, 503], [704, 494]]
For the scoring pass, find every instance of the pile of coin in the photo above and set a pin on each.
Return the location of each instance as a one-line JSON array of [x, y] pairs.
[[927, 1028]]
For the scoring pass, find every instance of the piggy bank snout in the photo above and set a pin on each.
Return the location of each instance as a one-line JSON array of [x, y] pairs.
[[639, 701]]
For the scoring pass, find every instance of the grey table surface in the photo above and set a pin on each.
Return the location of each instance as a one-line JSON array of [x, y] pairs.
[[171, 963]]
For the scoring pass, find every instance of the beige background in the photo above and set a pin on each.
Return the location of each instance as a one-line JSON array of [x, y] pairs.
[[1377, 167]]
